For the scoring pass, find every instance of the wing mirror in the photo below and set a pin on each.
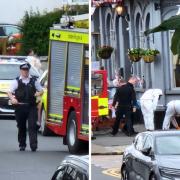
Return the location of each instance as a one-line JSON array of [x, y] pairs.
[[146, 151]]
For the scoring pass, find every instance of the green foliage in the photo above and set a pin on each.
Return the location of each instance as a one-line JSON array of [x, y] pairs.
[[149, 52], [172, 23], [105, 52], [135, 51], [36, 27]]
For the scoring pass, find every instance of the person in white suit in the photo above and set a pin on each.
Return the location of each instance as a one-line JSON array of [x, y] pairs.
[[149, 101], [173, 109]]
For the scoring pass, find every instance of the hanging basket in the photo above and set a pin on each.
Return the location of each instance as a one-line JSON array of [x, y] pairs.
[[134, 57], [105, 52], [149, 58]]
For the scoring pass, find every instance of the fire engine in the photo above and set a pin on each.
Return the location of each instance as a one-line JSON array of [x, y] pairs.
[[99, 96], [68, 85]]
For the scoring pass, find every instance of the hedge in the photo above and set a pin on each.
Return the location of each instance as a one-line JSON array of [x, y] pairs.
[[35, 28]]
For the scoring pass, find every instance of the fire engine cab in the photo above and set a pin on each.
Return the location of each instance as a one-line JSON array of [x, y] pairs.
[[68, 85]]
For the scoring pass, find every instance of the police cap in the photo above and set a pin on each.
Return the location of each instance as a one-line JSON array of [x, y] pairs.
[[25, 66]]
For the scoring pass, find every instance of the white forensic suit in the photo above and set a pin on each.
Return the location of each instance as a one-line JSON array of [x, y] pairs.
[[149, 101], [173, 109]]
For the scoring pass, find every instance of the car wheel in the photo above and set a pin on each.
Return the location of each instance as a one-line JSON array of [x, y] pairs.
[[152, 177], [72, 134], [44, 130], [124, 173]]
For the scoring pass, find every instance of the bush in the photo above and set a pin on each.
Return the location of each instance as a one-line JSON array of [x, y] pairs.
[[35, 28]]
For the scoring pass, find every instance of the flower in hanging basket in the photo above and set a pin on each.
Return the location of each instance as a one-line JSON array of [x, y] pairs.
[[134, 54], [105, 52], [149, 55]]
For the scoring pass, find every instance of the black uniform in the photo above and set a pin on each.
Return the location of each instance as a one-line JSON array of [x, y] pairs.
[[26, 110], [126, 98]]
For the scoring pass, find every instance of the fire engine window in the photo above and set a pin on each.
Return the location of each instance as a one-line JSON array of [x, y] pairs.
[[74, 66], [96, 84]]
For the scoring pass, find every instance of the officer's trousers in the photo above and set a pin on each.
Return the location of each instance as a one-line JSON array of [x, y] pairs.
[[24, 114], [123, 112]]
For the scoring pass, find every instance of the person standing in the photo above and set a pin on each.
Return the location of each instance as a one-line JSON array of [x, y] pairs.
[[124, 102], [23, 92], [149, 101]]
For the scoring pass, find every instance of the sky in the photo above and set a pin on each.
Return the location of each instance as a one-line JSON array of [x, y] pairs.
[[12, 11]]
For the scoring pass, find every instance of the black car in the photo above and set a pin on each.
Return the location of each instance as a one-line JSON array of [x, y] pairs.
[[153, 156], [73, 168]]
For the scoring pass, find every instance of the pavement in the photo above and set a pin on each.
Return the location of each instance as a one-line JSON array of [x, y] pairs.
[[106, 144]]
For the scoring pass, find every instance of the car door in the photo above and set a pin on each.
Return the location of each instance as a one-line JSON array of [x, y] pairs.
[[146, 160], [136, 155]]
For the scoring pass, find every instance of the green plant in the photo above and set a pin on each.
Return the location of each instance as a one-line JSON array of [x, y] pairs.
[[173, 23], [135, 51], [149, 52], [105, 52]]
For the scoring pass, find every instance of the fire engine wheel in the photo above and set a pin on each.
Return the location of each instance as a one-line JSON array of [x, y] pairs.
[[72, 135], [44, 130]]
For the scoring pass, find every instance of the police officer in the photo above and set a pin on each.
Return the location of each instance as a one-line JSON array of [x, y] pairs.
[[23, 92], [124, 102]]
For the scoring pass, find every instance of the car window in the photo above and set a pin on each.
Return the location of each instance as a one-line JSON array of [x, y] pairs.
[[9, 30], [168, 145], [69, 172], [148, 142], [139, 142], [14, 69]]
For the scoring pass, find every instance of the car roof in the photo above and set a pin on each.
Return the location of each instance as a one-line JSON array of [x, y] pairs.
[[162, 133], [8, 24], [79, 161], [82, 159]]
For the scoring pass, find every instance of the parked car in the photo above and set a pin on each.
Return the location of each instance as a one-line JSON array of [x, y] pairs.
[[153, 156], [10, 38], [9, 70], [73, 168]]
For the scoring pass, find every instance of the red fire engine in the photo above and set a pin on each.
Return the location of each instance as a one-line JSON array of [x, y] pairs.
[[68, 85]]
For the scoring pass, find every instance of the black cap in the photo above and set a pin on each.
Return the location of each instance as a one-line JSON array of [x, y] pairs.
[[25, 66]]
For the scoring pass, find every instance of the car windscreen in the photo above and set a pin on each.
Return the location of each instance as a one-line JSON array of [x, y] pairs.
[[11, 71], [168, 145]]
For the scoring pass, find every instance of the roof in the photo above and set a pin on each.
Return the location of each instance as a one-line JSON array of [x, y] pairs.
[[83, 159], [163, 133], [58, 27], [12, 59]]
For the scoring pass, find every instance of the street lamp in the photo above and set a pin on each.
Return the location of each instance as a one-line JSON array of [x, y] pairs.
[[121, 10]]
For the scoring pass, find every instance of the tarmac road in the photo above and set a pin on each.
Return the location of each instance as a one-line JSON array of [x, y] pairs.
[[27, 165]]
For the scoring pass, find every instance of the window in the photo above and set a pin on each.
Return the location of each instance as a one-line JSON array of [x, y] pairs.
[[69, 172], [139, 143], [148, 143], [96, 84]]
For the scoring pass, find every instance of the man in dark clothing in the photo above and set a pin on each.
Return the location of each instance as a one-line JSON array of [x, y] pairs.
[[23, 92], [124, 102]]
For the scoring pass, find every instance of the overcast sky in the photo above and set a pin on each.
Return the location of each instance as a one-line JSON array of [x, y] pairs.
[[11, 11]]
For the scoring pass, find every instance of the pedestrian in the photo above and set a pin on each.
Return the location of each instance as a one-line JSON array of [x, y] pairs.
[[149, 101], [124, 102], [23, 92], [34, 61], [173, 109]]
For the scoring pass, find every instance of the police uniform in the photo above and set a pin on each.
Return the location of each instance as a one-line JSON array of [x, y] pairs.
[[24, 90]]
